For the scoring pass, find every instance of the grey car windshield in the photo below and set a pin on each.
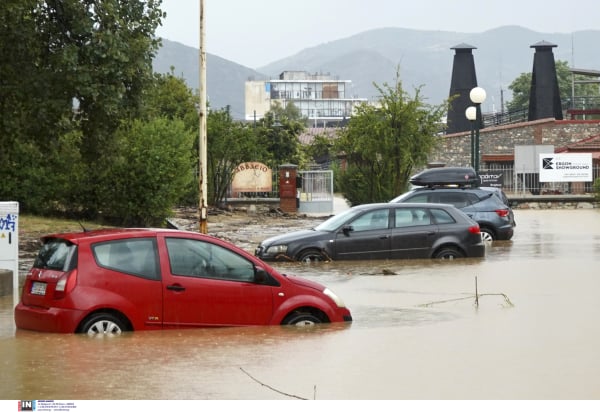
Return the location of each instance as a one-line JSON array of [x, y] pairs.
[[334, 222]]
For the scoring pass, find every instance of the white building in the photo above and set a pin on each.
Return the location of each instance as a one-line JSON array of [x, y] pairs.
[[320, 98]]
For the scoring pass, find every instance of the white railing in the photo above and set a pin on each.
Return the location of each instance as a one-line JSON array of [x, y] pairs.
[[514, 182]]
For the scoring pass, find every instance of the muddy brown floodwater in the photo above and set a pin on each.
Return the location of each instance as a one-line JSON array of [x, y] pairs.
[[417, 332]]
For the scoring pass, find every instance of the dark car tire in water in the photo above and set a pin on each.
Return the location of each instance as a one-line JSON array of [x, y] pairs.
[[312, 255], [103, 324], [487, 235], [302, 319], [448, 253]]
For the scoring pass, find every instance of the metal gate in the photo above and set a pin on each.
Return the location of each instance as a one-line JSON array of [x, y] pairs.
[[316, 191]]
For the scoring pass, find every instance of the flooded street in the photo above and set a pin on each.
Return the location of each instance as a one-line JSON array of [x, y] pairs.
[[417, 334]]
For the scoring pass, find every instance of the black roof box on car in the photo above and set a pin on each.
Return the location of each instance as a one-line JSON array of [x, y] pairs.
[[444, 176]]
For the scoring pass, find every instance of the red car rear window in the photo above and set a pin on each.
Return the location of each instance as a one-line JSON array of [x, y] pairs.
[[56, 254]]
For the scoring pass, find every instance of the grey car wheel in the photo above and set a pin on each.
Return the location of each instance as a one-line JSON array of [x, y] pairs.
[[103, 324], [487, 235]]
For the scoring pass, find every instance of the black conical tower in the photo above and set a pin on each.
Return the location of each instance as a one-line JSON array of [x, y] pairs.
[[463, 80], [544, 96]]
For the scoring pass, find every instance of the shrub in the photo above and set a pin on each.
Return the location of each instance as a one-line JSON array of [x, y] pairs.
[[150, 172]]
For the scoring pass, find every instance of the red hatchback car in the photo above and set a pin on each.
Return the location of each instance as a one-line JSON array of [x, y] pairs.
[[113, 280]]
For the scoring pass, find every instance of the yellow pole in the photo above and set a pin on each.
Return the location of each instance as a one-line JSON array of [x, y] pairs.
[[202, 173]]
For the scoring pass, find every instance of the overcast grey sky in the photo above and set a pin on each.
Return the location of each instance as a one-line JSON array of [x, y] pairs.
[[256, 33]]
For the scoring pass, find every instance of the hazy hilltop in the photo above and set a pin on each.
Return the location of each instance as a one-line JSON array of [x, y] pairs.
[[224, 78], [423, 59]]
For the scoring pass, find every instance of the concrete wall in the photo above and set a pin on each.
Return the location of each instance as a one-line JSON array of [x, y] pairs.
[[455, 149], [257, 100], [6, 282]]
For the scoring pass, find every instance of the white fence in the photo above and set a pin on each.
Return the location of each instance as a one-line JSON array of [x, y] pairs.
[[512, 181], [316, 191]]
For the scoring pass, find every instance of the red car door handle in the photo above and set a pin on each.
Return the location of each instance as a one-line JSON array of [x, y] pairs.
[[176, 287]]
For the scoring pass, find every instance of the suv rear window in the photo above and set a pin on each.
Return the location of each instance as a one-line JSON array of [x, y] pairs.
[[56, 254], [419, 198], [442, 217], [458, 199]]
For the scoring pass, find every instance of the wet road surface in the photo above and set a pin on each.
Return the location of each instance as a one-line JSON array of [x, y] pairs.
[[417, 334]]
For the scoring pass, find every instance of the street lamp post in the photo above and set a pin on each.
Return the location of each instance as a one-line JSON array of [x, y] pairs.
[[202, 141], [471, 114], [477, 96]]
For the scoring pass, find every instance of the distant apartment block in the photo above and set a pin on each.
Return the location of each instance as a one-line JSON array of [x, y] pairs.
[[320, 98]]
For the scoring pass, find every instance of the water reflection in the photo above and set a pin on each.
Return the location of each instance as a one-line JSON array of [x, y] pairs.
[[417, 334]]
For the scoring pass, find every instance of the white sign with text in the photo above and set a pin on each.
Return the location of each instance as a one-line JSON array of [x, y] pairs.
[[565, 167]]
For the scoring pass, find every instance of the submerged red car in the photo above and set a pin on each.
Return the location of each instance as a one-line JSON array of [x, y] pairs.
[[114, 280]]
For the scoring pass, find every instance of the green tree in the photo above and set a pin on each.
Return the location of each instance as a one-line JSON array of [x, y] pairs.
[[521, 87], [165, 132], [88, 60], [229, 144], [151, 168], [278, 134], [169, 96], [105, 48], [320, 149], [29, 111], [69, 68], [383, 143]]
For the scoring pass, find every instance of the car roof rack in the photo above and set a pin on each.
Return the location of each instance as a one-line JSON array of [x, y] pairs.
[[462, 177]]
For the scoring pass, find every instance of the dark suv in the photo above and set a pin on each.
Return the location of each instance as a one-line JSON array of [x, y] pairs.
[[488, 206]]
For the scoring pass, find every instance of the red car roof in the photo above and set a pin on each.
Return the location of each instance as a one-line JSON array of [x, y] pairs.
[[108, 233]]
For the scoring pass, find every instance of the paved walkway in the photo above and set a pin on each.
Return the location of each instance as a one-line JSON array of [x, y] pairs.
[[339, 205]]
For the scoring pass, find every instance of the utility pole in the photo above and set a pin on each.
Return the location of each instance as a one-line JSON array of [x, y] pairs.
[[202, 150]]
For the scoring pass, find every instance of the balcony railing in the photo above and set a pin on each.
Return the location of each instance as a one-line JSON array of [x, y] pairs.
[[572, 108]]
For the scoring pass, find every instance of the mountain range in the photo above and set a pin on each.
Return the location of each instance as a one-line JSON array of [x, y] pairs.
[[423, 59]]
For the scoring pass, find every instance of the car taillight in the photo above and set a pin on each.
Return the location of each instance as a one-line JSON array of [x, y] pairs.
[[502, 212], [65, 284], [475, 230]]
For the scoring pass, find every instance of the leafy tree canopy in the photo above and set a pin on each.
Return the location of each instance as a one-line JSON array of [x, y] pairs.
[[278, 134], [169, 96], [83, 60], [383, 143], [153, 166], [229, 144]]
